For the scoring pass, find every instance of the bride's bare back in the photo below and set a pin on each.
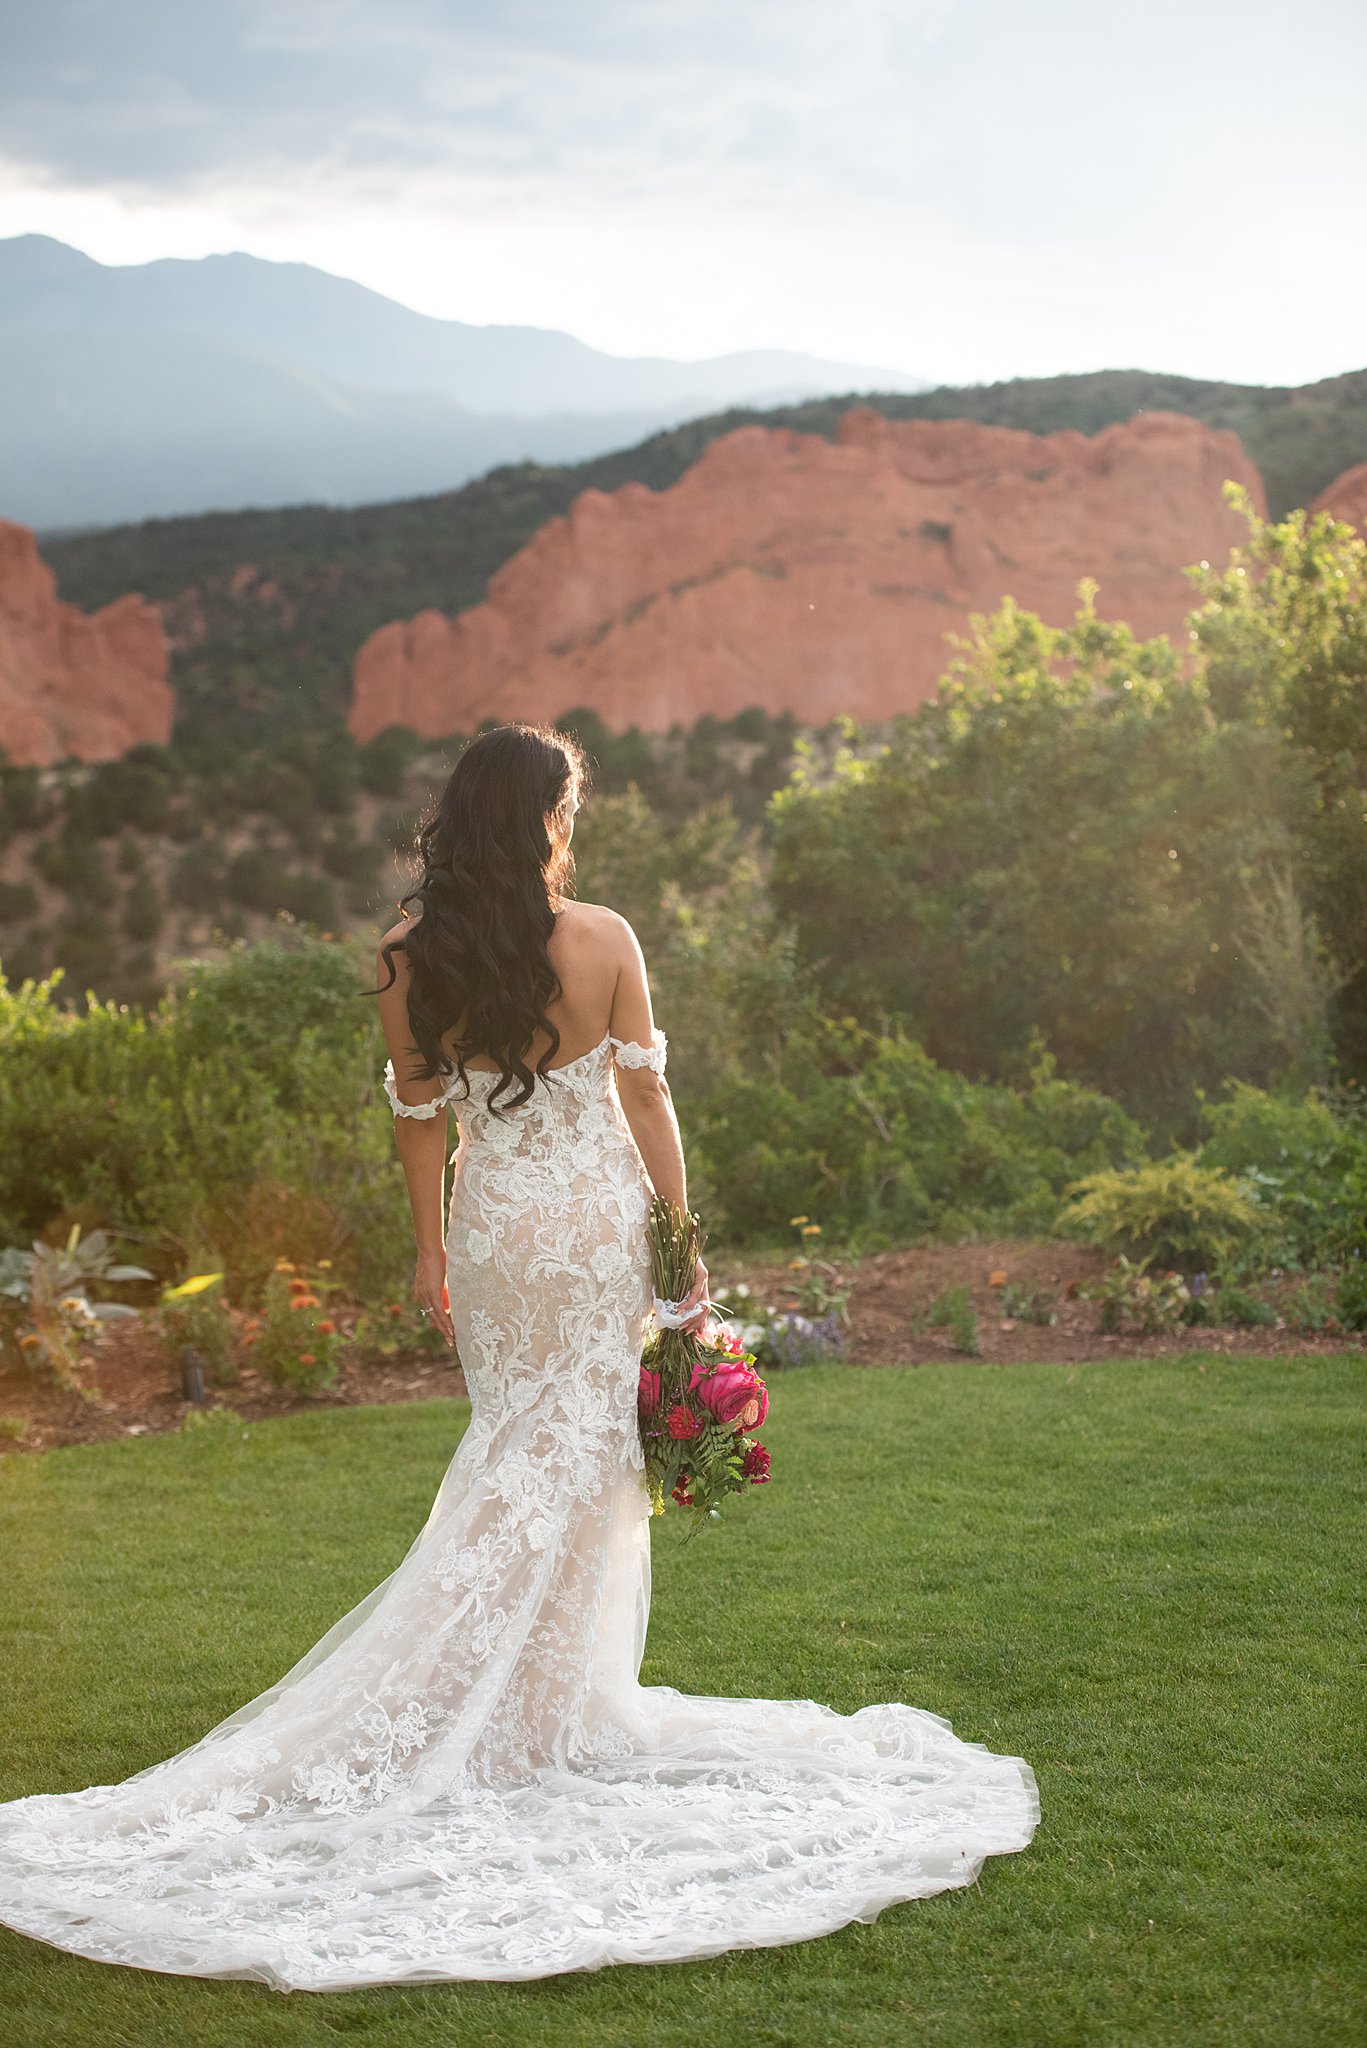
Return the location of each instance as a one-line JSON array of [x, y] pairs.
[[602, 972]]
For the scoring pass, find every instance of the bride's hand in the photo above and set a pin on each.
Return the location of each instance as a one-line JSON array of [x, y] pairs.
[[697, 1298], [429, 1286]]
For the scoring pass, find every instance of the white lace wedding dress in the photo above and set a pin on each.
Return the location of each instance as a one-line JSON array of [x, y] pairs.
[[464, 1778]]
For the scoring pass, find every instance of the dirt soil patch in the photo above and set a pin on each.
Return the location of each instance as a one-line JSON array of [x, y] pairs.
[[133, 1387], [133, 1384], [890, 1293]]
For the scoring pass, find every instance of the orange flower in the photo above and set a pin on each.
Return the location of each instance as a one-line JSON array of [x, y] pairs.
[[394, 1309], [304, 1301], [327, 1328], [307, 1358], [299, 1285], [30, 1343]]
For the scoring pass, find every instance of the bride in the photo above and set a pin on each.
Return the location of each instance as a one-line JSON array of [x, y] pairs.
[[464, 1778]]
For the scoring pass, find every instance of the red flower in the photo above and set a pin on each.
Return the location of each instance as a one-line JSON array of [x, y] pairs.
[[731, 1391], [683, 1424], [756, 1465], [681, 1492], [729, 1340], [648, 1392]]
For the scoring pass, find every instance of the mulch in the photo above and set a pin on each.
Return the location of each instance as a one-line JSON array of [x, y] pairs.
[[132, 1384]]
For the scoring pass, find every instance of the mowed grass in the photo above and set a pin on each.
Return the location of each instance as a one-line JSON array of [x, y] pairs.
[[1142, 1576]]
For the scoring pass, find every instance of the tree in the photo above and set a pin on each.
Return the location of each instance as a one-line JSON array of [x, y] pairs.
[[1282, 632], [1058, 842]]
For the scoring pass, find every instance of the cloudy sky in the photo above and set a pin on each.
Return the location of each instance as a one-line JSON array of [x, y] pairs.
[[964, 189]]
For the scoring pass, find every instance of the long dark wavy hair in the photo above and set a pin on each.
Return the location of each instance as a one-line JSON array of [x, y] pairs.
[[492, 877]]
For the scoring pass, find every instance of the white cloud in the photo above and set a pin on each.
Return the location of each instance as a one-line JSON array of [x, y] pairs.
[[965, 188]]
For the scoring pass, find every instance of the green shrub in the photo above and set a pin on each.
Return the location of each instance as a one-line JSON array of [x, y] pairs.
[[243, 1111], [254, 879], [888, 1146], [1131, 1298], [1304, 1161], [1231, 1304], [143, 914], [383, 761], [1350, 1296], [309, 898], [74, 863], [1311, 1307], [24, 803], [953, 1309], [349, 857], [1173, 1211], [132, 791], [87, 944], [1024, 1306]]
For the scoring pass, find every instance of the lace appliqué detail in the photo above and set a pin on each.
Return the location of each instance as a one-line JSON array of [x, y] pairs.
[[418, 1109], [629, 1054]]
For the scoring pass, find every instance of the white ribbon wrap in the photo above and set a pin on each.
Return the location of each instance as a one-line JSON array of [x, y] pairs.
[[667, 1313], [668, 1316]]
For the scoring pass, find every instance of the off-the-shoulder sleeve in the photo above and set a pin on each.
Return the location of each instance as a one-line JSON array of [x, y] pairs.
[[629, 1054], [400, 1108]]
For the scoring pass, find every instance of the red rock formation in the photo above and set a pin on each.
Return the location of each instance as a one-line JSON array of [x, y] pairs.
[[71, 682], [1346, 497], [799, 574]]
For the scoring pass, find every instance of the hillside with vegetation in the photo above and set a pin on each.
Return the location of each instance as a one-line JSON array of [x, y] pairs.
[[918, 978], [267, 609]]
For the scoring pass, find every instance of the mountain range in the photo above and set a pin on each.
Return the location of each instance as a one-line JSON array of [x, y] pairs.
[[185, 386]]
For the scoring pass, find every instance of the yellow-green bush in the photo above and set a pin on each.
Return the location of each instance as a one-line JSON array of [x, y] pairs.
[[1172, 1211]]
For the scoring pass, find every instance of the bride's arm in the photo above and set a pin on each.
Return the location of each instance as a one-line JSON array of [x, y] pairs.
[[645, 1097], [421, 1141]]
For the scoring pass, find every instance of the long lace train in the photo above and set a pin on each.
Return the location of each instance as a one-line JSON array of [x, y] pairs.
[[465, 1778]]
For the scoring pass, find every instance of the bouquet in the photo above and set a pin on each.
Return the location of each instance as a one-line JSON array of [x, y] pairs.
[[700, 1395]]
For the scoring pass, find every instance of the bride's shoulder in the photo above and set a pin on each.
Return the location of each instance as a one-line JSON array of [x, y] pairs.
[[596, 922], [397, 958]]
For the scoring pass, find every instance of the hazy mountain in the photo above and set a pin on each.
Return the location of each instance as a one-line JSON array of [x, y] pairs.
[[179, 386]]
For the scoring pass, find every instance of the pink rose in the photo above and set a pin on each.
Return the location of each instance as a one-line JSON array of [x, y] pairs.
[[730, 1391], [648, 1392]]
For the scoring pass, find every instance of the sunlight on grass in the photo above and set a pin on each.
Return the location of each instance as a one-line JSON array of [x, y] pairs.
[[1143, 1577]]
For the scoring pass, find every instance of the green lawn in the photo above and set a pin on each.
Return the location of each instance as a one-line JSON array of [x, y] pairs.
[[1142, 1576]]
